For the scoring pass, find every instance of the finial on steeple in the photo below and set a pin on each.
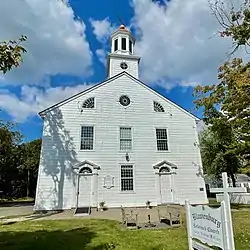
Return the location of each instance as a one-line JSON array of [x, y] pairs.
[[122, 27]]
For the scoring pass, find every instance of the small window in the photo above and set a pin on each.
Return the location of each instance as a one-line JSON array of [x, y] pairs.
[[162, 139], [123, 43], [201, 189], [85, 170], [127, 183], [158, 107], [125, 139], [130, 46], [87, 138], [89, 103], [116, 44], [164, 170]]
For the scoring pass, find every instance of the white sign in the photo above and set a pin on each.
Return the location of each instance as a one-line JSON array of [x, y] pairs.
[[212, 226], [206, 225]]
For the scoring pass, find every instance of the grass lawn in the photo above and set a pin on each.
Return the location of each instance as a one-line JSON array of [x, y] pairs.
[[104, 234]]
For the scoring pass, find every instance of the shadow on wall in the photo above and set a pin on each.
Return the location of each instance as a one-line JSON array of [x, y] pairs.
[[79, 238], [57, 158]]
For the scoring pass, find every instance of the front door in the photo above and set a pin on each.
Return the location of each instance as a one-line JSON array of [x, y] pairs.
[[166, 189], [85, 189]]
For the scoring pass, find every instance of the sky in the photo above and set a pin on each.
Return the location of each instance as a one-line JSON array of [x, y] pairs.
[[68, 41]]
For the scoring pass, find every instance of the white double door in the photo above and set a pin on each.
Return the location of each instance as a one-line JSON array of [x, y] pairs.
[[166, 188], [85, 190]]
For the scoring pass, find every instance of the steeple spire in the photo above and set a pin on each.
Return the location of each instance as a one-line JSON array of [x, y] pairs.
[[122, 56]]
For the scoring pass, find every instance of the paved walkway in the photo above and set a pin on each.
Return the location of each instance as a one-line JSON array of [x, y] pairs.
[[111, 214], [15, 210]]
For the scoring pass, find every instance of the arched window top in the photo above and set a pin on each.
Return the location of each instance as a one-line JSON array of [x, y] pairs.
[[89, 103], [158, 107], [164, 170], [85, 170]]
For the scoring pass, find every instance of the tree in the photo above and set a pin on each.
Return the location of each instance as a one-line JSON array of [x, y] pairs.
[[18, 162], [228, 102], [10, 139], [235, 23], [216, 158], [30, 163], [11, 53]]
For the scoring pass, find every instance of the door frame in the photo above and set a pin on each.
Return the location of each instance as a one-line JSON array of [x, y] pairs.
[[172, 171], [94, 182], [78, 190], [171, 187]]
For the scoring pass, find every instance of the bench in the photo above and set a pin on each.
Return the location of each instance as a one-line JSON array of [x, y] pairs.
[[129, 218], [170, 214]]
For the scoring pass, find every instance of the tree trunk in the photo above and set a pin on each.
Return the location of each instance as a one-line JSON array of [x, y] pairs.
[[233, 179]]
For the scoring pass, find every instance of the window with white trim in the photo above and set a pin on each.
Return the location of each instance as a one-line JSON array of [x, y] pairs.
[[162, 139], [125, 138], [87, 138], [127, 178]]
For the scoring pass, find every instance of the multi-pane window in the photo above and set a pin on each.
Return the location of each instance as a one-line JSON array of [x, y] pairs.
[[130, 46], [162, 139], [87, 138], [125, 138], [123, 43], [116, 44], [127, 183]]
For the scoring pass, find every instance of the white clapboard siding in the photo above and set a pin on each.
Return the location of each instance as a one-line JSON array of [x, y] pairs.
[[116, 69], [61, 147]]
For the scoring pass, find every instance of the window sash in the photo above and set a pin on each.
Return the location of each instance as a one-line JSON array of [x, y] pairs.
[[127, 178], [162, 139], [87, 138], [125, 138]]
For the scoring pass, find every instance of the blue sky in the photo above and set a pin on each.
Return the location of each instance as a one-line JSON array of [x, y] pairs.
[[68, 41]]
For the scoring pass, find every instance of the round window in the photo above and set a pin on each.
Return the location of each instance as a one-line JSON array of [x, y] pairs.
[[124, 65], [124, 100]]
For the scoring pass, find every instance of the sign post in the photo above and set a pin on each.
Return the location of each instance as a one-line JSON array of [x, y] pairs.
[[212, 226], [226, 190]]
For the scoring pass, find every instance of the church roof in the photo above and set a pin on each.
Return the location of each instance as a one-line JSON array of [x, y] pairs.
[[109, 80]]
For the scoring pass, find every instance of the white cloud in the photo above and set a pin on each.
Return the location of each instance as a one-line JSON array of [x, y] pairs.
[[101, 53], [33, 99], [177, 42], [56, 40], [102, 29]]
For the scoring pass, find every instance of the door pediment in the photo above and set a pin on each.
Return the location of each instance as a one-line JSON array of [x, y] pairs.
[[164, 166], [86, 164]]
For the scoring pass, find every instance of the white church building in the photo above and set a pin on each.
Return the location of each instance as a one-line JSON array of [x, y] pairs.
[[119, 142]]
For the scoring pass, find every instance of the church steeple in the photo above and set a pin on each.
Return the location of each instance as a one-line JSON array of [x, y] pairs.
[[122, 56], [122, 41]]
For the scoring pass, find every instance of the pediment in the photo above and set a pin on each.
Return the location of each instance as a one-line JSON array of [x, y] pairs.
[[86, 163], [165, 163]]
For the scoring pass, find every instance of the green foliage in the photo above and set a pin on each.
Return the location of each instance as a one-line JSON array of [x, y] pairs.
[[227, 104], [215, 144], [18, 162], [11, 53], [235, 23]]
